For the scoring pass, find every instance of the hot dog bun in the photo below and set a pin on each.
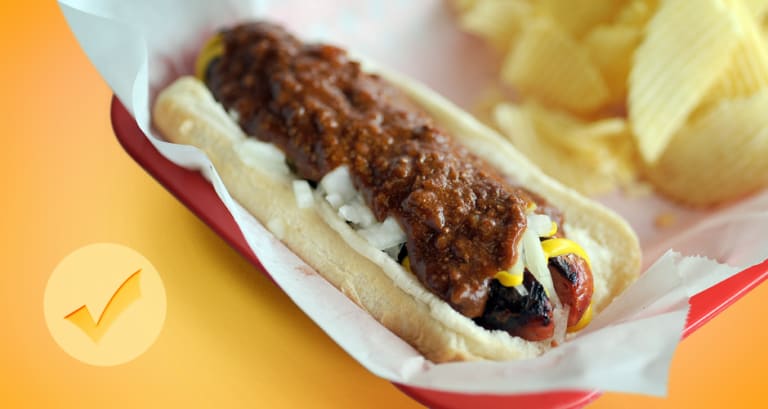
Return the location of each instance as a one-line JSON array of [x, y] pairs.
[[187, 113]]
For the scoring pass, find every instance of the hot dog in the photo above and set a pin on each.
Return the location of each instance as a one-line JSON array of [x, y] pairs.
[[414, 210]]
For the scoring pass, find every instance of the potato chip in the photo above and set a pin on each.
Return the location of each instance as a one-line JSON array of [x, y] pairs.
[[636, 13], [603, 148], [549, 64], [765, 36], [498, 21], [486, 103], [578, 19], [747, 71], [763, 25], [611, 48], [687, 46], [463, 5], [590, 157], [719, 156], [756, 8], [693, 77], [574, 133], [552, 159]]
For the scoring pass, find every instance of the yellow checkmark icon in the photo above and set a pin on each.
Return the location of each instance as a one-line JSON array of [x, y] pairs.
[[105, 304], [125, 295]]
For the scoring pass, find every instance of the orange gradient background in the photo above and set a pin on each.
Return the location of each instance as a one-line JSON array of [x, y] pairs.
[[67, 183]]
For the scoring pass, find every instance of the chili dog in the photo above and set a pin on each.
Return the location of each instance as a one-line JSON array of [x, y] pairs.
[[418, 213]]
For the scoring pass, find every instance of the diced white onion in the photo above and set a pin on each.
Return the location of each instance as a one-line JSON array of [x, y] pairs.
[[536, 262], [394, 251], [384, 235], [357, 212], [340, 193], [540, 223], [335, 200], [338, 183], [303, 193], [262, 155]]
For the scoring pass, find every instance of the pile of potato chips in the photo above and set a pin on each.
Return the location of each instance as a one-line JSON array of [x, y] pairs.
[[607, 90]]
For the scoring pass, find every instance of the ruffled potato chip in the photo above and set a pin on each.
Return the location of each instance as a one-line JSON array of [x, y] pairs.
[[549, 64], [578, 19], [765, 31], [590, 157], [687, 74], [748, 70], [486, 103], [611, 48], [687, 46], [576, 134], [552, 159], [764, 23], [636, 12], [462, 6], [497, 21], [756, 8], [721, 155]]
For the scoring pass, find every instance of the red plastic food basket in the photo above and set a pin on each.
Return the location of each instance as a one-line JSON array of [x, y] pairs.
[[198, 195]]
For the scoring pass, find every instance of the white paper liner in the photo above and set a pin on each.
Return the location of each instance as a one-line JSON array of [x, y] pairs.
[[140, 46]]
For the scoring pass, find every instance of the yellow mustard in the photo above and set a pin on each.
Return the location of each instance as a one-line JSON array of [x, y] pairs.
[[559, 247], [585, 319], [508, 279], [212, 49]]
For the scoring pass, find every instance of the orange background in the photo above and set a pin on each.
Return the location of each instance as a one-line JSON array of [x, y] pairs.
[[67, 183]]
